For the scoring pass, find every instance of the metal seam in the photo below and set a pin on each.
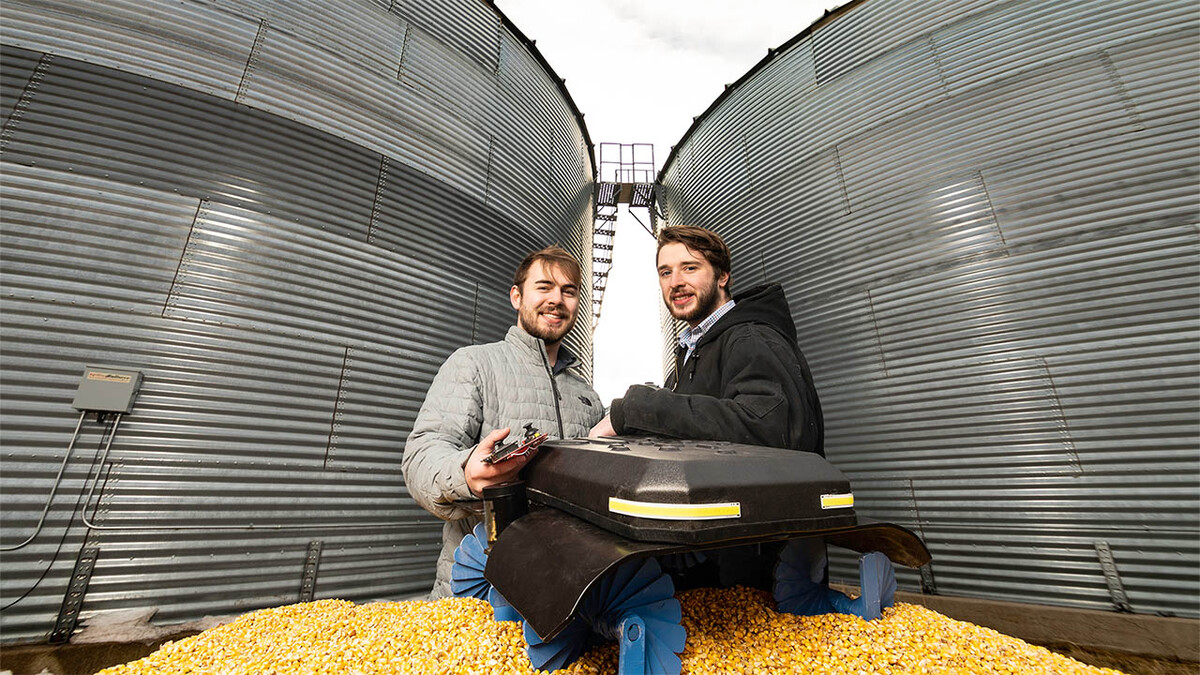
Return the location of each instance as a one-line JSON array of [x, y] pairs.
[[377, 203], [252, 58], [337, 407], [1127, 101], [201, 208], [27, 93]]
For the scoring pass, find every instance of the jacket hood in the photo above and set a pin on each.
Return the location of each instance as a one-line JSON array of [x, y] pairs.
[[765, 305]]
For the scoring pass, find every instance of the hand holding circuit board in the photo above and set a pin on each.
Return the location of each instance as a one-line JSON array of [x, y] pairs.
[[532, 439]]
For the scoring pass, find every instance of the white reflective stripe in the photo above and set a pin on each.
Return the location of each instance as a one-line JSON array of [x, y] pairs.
[[842, 501], [663, 511]]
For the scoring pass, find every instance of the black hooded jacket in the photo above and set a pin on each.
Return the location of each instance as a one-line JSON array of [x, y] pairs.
[[746, 382]]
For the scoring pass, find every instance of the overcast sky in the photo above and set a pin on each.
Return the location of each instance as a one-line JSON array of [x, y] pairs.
[[640, 70]]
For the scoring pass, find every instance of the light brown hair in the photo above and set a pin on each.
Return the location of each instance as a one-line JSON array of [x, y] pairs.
[[551, 256]]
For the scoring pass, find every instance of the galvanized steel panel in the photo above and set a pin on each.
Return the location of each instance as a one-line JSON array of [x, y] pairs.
[[378, 34], [473, 91], [510, 159], [1155, 91], [17, 76], [239, 269], [878, 95], [1143, 181], [85, 116], [407, 200], [941, 225], [1061, 103], [159, 41], [122, 255], [1002, 418], [985, 219], [1009, 38], [385, 88], [471, 26], [865, 30], [532, 90], [287, 271], [293, 79]]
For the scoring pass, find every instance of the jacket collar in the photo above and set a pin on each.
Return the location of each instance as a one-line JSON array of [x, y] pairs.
[[537, 349]]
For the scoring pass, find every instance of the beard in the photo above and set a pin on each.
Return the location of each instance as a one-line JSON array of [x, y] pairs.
[[707, 301], [528, 318]]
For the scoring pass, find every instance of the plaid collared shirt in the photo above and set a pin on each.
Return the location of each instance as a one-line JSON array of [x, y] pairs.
[[690, 337]]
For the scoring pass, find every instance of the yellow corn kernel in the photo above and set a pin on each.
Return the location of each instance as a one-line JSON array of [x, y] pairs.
[[729, 630]]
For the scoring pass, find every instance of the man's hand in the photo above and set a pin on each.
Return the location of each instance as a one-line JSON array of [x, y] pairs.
[[480, 474], [603, 428]]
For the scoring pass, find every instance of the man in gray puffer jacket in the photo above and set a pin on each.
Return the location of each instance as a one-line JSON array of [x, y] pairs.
[[484, 392]]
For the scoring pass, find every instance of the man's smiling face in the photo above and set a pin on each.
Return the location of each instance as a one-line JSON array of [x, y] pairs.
[[690, 286], [546, 303]]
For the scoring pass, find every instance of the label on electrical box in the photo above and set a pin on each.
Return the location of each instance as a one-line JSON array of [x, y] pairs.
[[108, 377], [106, 389]]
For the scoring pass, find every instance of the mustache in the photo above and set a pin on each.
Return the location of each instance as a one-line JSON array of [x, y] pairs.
[[555, 309]]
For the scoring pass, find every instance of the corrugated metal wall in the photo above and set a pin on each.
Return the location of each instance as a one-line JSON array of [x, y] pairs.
[[286, 215], [985, 218]]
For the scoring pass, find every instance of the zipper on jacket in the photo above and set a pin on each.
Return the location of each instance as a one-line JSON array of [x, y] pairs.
[[553, 387], [679, 352]]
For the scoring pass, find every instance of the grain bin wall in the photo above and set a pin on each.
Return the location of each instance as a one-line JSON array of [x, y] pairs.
[[285, 215], [985, 219]]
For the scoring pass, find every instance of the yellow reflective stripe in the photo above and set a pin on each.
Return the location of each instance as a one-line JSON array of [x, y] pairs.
[[837, 501], [663, 511]]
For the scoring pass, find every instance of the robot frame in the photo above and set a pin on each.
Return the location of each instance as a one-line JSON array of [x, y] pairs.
[[601, 517]]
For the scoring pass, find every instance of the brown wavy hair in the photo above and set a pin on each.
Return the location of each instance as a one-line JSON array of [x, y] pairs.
[[705, 242]]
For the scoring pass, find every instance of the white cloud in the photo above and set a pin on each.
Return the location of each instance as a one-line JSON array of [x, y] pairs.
[[640, 70], [729, 30]]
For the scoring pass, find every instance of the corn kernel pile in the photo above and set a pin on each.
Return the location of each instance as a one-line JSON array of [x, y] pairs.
[[728, 631]]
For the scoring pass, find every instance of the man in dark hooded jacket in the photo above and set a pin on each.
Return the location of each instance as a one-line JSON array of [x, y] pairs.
[[739, 374]]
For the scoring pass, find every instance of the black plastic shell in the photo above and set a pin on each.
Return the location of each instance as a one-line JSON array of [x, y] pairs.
[[778, 491]]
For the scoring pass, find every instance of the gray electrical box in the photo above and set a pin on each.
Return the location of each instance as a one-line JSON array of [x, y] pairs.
[[105, 389]]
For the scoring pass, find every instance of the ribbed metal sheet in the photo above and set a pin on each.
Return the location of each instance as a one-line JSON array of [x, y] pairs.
[[857, 37], [121, 34], [379, 35], [347, 101], [19, 68], [421, 84], [82, 115], [469, 26], [985, 219], [286, 224]]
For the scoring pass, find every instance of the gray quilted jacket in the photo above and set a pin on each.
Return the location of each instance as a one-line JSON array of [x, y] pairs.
[[481, 388]]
